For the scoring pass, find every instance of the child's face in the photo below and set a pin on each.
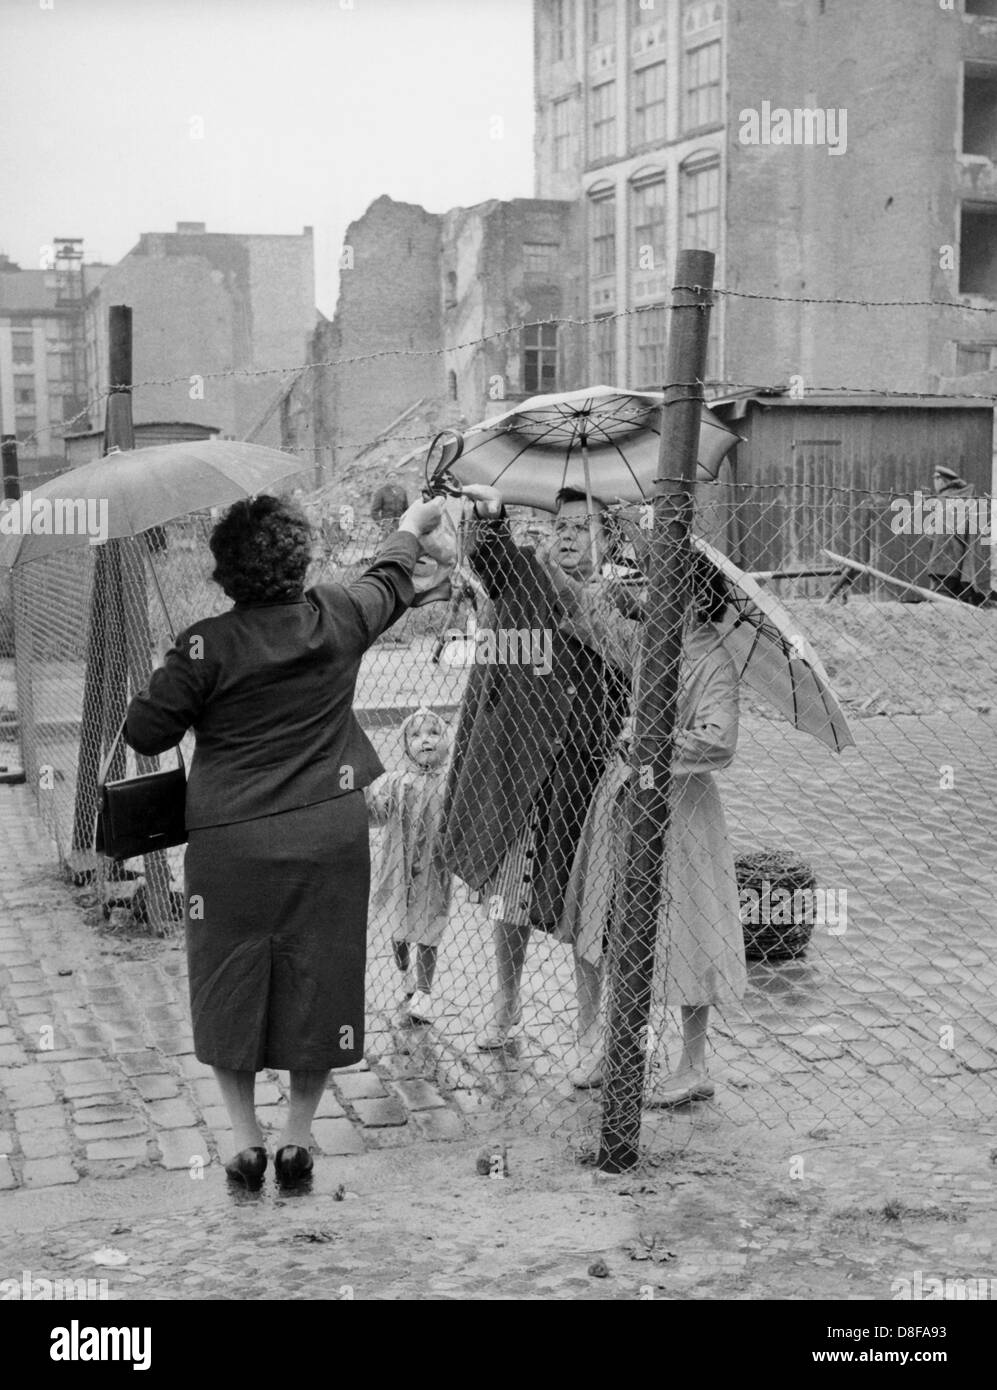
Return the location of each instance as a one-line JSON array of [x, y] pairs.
[[425, 743]]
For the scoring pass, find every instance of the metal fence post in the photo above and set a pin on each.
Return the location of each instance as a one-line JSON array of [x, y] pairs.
[[635, 922]]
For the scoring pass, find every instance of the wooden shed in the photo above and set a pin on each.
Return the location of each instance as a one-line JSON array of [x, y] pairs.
[[822, 472], [89, 444]]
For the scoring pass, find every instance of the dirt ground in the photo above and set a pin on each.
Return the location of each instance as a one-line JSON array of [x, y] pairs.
[[900, 658], [854, 1223]]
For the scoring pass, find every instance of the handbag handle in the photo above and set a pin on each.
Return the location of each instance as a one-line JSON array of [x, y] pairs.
[[105, 765]]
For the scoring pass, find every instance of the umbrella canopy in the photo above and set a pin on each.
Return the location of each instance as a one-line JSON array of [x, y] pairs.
[[774, 658], [602, 441], [127, 492]]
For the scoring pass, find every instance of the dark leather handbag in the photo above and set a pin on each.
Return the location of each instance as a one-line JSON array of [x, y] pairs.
[[139, 815]]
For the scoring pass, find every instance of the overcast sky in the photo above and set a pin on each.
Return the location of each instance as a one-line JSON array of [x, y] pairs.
[[310, 109]]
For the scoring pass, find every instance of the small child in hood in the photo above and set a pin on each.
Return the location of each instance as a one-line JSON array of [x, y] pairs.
[[413, 886]]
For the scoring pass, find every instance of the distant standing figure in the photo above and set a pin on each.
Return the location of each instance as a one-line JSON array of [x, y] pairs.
[[389, 501], [957, 565], [413, 885]]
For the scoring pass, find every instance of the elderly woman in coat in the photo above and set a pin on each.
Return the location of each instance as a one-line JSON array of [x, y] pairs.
[[699, 954], [277, 868]]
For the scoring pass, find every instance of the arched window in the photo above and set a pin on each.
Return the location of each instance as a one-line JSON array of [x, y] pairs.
[[602, 228], [451, 302], [648, 218], [700, 205]]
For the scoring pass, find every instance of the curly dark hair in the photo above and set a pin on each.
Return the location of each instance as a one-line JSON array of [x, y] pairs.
[[262, 549]]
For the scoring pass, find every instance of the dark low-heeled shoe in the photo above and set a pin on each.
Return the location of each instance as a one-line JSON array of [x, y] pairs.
[[248, 1167], [293, 1164]]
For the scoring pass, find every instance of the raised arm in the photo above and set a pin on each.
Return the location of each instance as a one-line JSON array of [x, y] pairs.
[[591, 616], [384, 591]]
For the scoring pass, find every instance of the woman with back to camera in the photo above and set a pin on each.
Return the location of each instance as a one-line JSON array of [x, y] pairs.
[[277, 868]]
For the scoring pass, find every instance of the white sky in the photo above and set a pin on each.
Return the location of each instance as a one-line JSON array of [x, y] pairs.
[[311, 109]]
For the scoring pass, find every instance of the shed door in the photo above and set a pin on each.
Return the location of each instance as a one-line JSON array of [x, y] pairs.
[[821, 512]]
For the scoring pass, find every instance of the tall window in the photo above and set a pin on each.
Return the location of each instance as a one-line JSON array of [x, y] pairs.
[[602, 222], [602, 21], [604, 351], [539, 358], [702, 85], [649, 103], [603, 108], [564, 30], [22, 341], [701, 207], [562, 135], [650, 338], [649, 225]]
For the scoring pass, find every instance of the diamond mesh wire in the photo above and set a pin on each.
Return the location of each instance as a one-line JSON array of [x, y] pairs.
[[867, 997]]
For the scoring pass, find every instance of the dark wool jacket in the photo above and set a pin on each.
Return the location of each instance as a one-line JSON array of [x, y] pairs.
[[527, 740], [268, 690], [389, 501]]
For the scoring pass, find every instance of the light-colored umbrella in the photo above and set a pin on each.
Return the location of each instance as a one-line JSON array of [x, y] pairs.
[[775, 659], [771, 654], [128, 492], [601, 441]]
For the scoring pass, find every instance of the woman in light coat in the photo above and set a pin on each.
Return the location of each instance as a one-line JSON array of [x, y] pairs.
[[699, 953]]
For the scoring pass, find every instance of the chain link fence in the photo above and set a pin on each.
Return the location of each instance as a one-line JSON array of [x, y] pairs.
[[833, 910]]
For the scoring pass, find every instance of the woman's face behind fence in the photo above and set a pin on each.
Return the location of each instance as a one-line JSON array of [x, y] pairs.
[[572, 548]]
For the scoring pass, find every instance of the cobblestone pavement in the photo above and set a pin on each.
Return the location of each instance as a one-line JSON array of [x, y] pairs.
[[99, 1073], [851, 1144], [891, 1020]]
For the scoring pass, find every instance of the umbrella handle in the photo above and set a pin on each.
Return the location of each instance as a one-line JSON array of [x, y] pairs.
[[162, 599], [440, 481], [593, 542]]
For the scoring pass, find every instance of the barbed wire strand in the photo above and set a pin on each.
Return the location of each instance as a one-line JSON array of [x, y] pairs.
[[299, 369]]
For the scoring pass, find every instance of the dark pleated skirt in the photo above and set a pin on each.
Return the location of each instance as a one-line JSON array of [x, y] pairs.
[[277, 938]]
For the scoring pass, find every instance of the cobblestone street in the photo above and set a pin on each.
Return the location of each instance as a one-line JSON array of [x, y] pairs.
[[838, 1103]]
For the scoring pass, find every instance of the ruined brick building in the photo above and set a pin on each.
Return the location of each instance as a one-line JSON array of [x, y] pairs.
[[828, 149]]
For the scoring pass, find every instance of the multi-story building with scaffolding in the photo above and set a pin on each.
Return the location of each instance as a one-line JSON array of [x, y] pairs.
[[42, 369]]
